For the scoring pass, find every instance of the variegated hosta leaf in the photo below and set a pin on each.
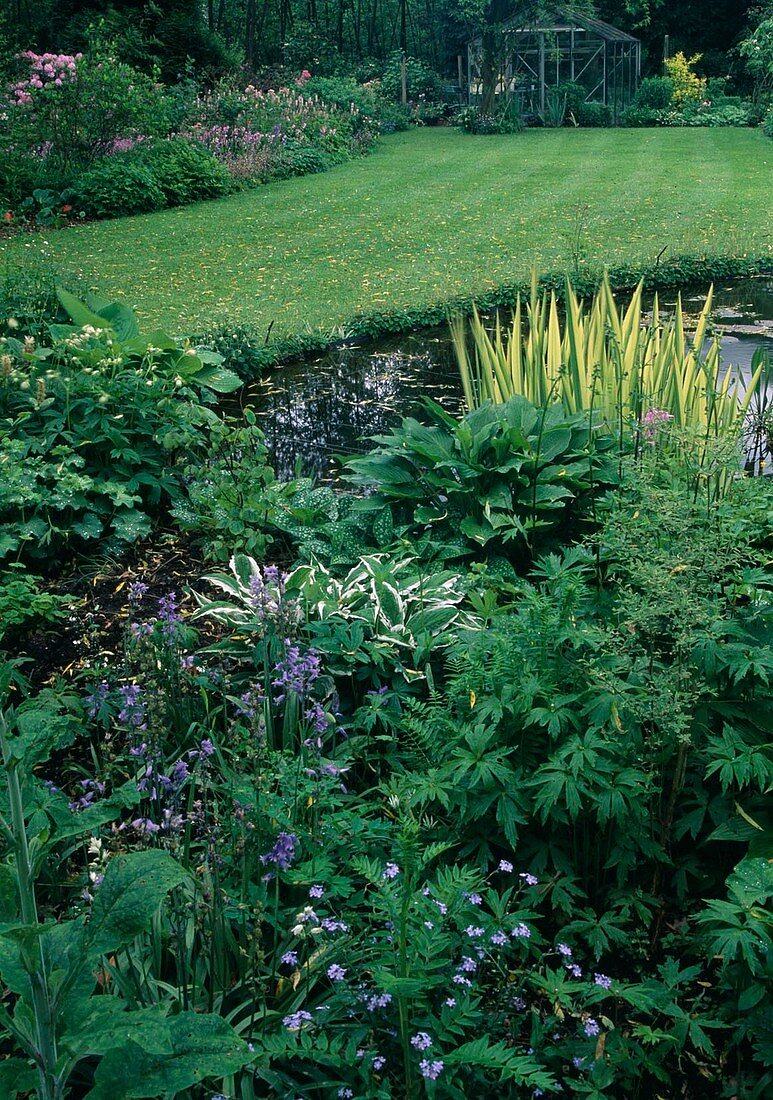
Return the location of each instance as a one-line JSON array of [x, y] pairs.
[[392, 598]]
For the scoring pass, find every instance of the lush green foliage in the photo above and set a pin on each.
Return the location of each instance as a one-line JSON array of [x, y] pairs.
[[447, 830], [619, 370], [680, 99], [92, 418], [152, 175], [24, 604], [421, 81], [366, 97], [505, 477]]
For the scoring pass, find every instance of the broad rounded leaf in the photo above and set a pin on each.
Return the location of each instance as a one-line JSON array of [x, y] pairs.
[[202, 1046]]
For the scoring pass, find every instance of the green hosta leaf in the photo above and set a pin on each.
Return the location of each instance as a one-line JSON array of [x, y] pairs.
[[121, 320], [219, 379], [554, 443], [389, 604], [202, 1047], [133, 888], [80, 313], [212, 358]]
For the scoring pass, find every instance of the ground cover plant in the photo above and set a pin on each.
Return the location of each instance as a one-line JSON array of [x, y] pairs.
[[424, 223], [454, 787]]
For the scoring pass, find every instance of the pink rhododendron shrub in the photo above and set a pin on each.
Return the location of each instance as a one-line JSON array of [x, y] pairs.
[[74, 108]]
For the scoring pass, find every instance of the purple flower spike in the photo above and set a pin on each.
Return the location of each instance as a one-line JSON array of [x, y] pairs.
[[137, 590], [283, 852], [168, 614]]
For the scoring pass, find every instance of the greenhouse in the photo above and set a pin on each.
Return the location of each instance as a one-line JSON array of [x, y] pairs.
[[534, 63]]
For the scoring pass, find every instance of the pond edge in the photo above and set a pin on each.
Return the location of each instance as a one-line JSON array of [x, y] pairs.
[[250, 354]]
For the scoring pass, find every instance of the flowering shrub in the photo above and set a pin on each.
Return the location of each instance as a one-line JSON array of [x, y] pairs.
[[46, 71], [270, 133], [70, 120], [72, 109]]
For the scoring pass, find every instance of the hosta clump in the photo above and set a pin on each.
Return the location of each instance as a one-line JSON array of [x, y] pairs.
[[385, 617], [509, 477]]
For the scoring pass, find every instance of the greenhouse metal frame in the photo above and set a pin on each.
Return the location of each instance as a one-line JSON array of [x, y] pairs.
[[533, 62]]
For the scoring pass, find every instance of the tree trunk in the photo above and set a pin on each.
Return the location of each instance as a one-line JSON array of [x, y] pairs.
[[372, 27], [249, 34]]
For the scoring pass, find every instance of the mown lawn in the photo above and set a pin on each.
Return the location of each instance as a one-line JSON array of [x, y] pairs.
[[431, 215]]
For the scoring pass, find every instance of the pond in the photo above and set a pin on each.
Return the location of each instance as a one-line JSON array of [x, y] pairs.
[[318, 409]]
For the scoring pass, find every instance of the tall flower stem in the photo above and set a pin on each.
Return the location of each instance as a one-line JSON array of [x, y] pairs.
[[44, 1049]]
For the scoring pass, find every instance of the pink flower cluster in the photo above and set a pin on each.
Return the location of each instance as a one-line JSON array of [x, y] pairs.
[[227, 139], [124, 144], [652, 421], [46, 70], [301, 80]]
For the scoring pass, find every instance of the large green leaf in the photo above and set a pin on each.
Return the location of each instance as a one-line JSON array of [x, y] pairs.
[[121, 319], [219, 379], [80, 313], [202, 1046], [133, 888], [16, 1076], [40, 730], [109, 1026]]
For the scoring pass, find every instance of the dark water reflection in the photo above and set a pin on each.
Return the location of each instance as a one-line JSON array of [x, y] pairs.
[[316, 410]]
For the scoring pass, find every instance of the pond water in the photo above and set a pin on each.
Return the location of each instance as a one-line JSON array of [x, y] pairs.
[[316, 410]]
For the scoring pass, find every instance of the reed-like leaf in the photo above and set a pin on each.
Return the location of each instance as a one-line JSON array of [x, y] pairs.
[[619, 365]]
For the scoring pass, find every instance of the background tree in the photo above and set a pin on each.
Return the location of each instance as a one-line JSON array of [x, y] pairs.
[[331, 36]]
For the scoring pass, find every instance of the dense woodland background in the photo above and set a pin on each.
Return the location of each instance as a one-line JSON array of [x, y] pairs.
[[216, 36]]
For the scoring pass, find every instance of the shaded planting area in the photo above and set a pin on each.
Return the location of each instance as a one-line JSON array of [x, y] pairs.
[[449, 782]]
